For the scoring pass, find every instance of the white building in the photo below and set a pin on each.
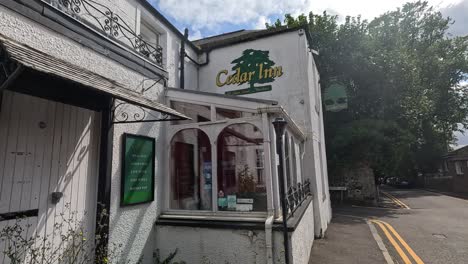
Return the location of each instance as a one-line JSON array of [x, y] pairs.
[[85, 86]]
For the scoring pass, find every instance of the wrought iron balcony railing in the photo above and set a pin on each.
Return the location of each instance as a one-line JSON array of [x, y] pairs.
[[112, 25], [296, 196]]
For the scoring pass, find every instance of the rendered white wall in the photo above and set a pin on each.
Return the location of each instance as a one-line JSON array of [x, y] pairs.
[[131, 226], [302, 238], [298, 91], [212, 246], [285, 50]]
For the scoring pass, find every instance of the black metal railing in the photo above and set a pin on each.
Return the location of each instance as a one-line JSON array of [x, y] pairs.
[[110, 23], [296, 195]]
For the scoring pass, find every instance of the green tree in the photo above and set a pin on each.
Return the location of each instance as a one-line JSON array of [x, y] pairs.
[[404, 77], [250, 62]]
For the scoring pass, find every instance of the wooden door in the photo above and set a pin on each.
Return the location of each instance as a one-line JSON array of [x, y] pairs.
[[47, 147]]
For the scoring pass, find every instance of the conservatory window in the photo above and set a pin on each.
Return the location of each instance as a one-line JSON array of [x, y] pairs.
[[191, 171], [259, 156], [222, 113], [198, 113], [240, 169], [294, 162], [287, 160]]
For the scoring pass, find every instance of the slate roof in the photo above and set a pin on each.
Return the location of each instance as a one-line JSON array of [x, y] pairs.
[[239, 36]]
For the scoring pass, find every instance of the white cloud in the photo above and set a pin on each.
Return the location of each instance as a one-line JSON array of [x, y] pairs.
[[194, 35], [211, 14], [262, 20]]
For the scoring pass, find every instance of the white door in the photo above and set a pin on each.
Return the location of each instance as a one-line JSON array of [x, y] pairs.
[[47, 147]]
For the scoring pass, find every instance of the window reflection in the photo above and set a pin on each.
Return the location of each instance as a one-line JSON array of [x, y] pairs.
[[222, 113], [294, 162], [240, 169], [198, 113], [287, 160], [191, 171]]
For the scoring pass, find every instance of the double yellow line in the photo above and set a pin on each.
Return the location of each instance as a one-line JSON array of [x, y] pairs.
[[390, 233], [396, 200]]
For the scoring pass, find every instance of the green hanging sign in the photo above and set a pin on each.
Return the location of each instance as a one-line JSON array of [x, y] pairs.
[[137, 183], [253, 67], [335, 97]]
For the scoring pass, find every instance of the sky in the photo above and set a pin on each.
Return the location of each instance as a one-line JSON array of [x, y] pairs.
[[206, 18]]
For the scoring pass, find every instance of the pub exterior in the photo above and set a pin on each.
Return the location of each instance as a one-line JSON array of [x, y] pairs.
[[153, 143]]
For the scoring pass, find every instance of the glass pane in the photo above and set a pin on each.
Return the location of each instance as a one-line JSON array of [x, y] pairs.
[[198, 113], [294, 162], [240, 169], [222, 114], [287, 160], [148, 34], [191, 174]]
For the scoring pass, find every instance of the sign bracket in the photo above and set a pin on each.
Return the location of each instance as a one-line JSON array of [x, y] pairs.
[[128, 113]]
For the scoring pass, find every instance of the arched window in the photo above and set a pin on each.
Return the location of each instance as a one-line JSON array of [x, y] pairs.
[[190, 168], [240, 169]]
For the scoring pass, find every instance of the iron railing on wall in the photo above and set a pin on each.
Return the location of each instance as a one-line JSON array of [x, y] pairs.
[[296, 196], [112, 25]]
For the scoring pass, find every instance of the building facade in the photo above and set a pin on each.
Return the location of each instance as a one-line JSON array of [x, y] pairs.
[[150, 143]]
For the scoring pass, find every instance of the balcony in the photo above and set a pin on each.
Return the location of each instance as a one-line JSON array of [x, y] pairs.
[[104, 20]]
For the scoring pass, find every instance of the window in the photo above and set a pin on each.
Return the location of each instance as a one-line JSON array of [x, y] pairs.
[[240, 181], [294, 162], [222, 114], [151, 45], [149, 34], [259, 156], [191, 171], [458, 168], [301, 163], [287, 161], [198, 113]]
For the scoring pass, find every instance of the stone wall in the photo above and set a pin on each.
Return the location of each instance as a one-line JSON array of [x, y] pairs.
[[360, 184]]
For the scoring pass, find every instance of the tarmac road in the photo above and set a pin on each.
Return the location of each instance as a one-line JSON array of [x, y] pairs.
[[417, 226]]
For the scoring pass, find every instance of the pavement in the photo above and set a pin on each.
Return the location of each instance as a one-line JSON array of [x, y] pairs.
[[409, 226]]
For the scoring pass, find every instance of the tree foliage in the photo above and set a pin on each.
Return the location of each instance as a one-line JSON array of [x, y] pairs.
[[404, 76]]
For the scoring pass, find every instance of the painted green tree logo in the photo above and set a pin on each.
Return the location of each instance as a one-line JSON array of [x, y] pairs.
[[253, 67]]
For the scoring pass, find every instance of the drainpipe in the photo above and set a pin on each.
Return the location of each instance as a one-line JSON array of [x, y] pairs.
[[280, 126], [269, 238], [182, 59]]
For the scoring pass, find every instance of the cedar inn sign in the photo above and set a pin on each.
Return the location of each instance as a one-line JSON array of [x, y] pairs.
[[254, 66]]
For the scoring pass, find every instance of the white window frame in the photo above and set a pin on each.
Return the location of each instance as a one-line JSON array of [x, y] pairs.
[[263, 165], [144, 17], [446, 166], [458, 168], [212, 129], [151, 30]]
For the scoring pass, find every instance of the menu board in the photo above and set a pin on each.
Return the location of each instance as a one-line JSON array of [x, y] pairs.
[[138, 157]]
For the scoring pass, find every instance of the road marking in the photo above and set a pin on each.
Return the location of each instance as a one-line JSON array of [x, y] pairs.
[[380, 243], [396, 200], [384, 225], [403, 242], [393, 242]]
